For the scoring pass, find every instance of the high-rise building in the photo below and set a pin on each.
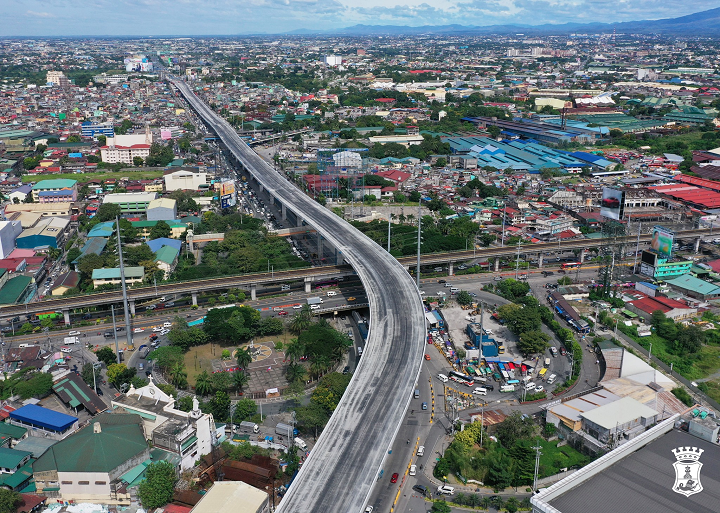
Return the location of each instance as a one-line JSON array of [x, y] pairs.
[[57, 78], [333, 60]]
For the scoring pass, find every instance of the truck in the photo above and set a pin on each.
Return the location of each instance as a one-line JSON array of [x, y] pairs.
[[286, 430], [245, 427], [507, 388], [314, 300], [71, 340]]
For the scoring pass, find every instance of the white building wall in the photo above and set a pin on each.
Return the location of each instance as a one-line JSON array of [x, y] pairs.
[[71, 488], [184, 180], [9, 231]]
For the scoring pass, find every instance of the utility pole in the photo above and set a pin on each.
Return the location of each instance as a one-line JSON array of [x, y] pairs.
[[637, 246], [417, 274], [117, 350], [517, 261], [128, 331], [389, 218], [537, 466]]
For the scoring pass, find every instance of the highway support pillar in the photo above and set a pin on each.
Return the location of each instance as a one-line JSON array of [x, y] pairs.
[[451, 269], [582, 255], [253, 292], [283, 212], [319, 246], [260, 187], [194, 299], [131, 304], [308, 285], [697, 245], [497, 264], [540, 260], [66, 314]]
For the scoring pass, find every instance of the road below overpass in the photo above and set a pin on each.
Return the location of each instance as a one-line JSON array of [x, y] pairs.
[[340, 473]]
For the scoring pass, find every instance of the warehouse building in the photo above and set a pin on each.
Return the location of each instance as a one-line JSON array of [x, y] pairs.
[[9, 232], [185, 179], [49, 232], [112, 276], [233, 497], [131, 202], [43, 422], [162, 209]]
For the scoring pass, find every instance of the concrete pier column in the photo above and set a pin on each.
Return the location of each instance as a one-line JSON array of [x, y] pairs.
[[66, 314], [540, 260], [131, 304], [283, 212], [697, 245], [583, 253], [497, 264], [253, 292], [451, 269], [308, 286], [194, 298]]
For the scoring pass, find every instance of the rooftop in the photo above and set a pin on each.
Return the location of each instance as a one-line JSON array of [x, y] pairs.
[[622, 411], [57, 183], [113, 273], [231, 497]]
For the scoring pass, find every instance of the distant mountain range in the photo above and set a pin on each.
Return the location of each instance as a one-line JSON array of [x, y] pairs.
[[705, 23]]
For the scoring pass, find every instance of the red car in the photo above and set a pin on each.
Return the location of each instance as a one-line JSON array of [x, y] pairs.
[[283, 312], [394, 478], [563, 351], [427, 356]]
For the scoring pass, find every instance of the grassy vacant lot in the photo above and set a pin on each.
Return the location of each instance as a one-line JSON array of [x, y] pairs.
[[554, 458], [86, 177]]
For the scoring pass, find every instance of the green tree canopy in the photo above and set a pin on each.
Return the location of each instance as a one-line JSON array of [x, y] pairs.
[[157, 489]]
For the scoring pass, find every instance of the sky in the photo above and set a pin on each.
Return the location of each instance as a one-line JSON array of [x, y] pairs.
[[229, 17]]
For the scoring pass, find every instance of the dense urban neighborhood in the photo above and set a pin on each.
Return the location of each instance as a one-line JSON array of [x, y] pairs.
[[182, 332]]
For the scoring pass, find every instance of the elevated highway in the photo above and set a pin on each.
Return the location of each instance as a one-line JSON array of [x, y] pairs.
[[342, 468], [310, 274]]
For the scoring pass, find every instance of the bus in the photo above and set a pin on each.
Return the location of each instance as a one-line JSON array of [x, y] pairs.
[[513, 382], [461, 378], [49, 315], [570, 266]]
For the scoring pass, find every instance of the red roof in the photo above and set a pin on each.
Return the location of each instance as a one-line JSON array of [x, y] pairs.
[[385, 100], [177, 508]]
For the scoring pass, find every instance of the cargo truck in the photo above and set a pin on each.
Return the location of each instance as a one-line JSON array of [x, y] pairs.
[[314, 300], [246, 427], [286, 430]]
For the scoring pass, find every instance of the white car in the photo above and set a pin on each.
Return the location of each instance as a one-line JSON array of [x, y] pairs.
[[413, 470], [297, 307], [167, 324], [446, 489], [314, 307], [539, 388], [138, 330], [66, 349], [74, 333], [331, 293], [157, 329], [164, 332]]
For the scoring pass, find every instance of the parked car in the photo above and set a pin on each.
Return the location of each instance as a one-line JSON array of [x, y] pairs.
[[138, 330], [73, 333], [394, 477]]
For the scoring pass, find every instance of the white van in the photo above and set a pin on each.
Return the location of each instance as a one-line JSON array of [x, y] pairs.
[[331, 293], [507, 388], [23, 346], [454, 290], [547, 362], [300, 443], [480, 391], [443, 378], [448, 285], [446, 489], [551, 379], [530, 386]]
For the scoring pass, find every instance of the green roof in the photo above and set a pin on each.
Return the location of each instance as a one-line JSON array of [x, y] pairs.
[[121, 437], [15, 480], [167, 254], [13, 289], [10, 458], [10, 431], [57, 183], [114, 273], [693, 284]]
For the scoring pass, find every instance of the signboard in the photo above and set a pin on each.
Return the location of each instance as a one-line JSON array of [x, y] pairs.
[[647, 270], [612, 204], [662, 241], [228, 201], [227, 188], [649, 258]]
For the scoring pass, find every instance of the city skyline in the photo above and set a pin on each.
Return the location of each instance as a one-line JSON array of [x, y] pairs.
[[227, 17]]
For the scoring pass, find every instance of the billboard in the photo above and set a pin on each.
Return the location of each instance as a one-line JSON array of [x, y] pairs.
[[228, 201], [612, 204], [228, 196], [662, 241], [227, 188]]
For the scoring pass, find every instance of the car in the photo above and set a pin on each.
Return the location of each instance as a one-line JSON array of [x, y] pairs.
[[277, 309], [424, 406], [164, 332], [282, 312], [427, 357], [394, 477], [497, 278], [413, 470], [157, 329], [547, 273], [346, 370], [66, 349], [351, 298], [331, 293], [610, 202], [563, 352], [421, 489], [141, 366], [138, 330], [99, 391], [167, 324], [297, 307], [6, 328], [314, 307], [73, 333], [442, 281], [120, 328], [369, 509], [445, 490], [539, 388]]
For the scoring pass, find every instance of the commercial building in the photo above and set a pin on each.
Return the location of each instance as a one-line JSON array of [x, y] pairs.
[[17, 290], [9, 231], [673, 309], [57, 78], [124, 154], [111, 276], [43, 422], [162, 209], [694, 287], [166, 259], [89, 464], [233, 497], [64, 209], [186, 179], [188, 435], [131, 202], [90, 129], [55, 191], [48, 232]]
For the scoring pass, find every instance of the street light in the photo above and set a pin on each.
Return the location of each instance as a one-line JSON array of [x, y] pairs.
[[650, 353]]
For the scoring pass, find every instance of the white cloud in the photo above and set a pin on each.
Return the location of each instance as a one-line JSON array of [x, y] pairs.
[[35, 14]]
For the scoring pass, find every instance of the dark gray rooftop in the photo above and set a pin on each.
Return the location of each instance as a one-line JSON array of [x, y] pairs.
[[643, 481]]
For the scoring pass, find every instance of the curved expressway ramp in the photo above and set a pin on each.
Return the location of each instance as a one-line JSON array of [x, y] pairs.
[[343, 467]]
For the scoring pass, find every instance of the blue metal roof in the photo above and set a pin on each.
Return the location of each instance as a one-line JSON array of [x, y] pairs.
[[42, 417]]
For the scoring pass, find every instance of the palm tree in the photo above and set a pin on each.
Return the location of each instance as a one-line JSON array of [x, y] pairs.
[[295, 372], [244, 358], [178, 375], [294, 350], [203, 385], [240, 380], [301, 321]]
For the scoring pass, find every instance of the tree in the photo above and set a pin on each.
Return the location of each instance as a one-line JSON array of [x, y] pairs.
[[239, 380], [9, 500], [178, 375], [35, 384], [89, 374], [499, 474], [311, 417], [221, 380], [301, 321], [519, 320], [107, 212], [440, 507], [464, 298], [533, 342], [295, 372], [220, 405], [73, 139], [243, 356], [106, 355], [203, 385], [494, 131], [244, 409], [72, 254], [160, 230], [689, 340], [514, 428], [138, 161], [158, 487], [441, 162]]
